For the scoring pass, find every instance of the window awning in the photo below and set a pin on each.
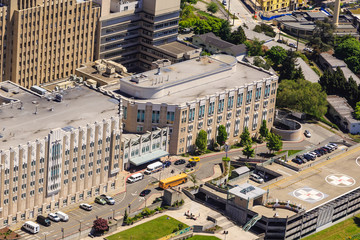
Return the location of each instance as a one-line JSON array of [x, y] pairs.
[[148, 157]]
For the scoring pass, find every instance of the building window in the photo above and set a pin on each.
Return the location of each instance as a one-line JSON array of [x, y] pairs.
[[255, 121], [267, 91], [248, 97], [141, 116], [191, 114], [239, 100], [201, 112], [155, 116], [124, 112], [246, 121], [183, 116], [221, 106], [139, 128], [230, 102], [258, 94], [170, 116], [211, 108]]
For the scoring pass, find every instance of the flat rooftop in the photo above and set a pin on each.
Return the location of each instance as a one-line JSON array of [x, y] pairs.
[[320, 183], [177, 47], [80, 106], [342, 107], [247, 191], [193, 79]]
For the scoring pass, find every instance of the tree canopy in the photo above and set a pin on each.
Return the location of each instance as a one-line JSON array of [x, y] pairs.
[[245, 138], [357, 111], [303, 96], [222, 135], [276, 55], [212, 7], [336, 83], [274, 142], [323, 35], [264, 131], [248, 151], [255, 47], [101, 224], [348, 49], [238, 36], [201, 141], [289, 69]]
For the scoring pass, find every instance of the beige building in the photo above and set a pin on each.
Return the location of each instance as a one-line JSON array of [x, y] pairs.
[[136, 33], [197, 94], [72, 155], [46, 40]]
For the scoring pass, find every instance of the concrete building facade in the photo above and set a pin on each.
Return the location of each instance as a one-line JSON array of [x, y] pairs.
[[46, 40], [136, 33], [218, 90]]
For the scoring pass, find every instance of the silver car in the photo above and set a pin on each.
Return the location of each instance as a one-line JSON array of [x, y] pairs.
[[53, 217]]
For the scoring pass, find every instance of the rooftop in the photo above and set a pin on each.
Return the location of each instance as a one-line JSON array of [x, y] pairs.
[[342, 107], [175, 84], [38, 116], [177, 47], [247, 191], [320, 183]]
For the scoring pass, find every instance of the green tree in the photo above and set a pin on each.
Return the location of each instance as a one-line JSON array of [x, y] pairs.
[[201, 141], [261, 63], [222, 135], [288, 69], [238, 36], [323, 35], [357, 111], [303, 96], [254, 47], [212, 7], [225, 30], [248, 151], [125, 216], [274, 142], [264, 131], [245, 138], [192, 178], [277, 55]]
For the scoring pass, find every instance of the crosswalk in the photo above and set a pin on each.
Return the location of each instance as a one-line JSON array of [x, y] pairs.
[[25, 235]]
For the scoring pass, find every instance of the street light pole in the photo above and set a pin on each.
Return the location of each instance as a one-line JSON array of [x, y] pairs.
[[80, 221], [113, 213]]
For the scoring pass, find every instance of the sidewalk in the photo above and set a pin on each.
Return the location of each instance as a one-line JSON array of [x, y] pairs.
[[198, 210]]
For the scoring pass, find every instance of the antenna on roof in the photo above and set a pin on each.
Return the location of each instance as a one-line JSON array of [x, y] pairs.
[[158, 72]]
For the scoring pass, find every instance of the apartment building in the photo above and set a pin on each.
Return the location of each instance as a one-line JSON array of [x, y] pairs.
[[136, 33], [201, 93], [47, 40], [74, 154], [283, 5]]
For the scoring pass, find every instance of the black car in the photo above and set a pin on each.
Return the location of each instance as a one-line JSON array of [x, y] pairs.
[[300, 158], [191, 164], [280, 41], [145, 192], [296, 160], [43, 220], [318, 153], [308, 157], [179, 162]]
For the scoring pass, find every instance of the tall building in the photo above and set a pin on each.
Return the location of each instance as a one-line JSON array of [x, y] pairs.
[[45, 40], [201, 93], [136, 33]]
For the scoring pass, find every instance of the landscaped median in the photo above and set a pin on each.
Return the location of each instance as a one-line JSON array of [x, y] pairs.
[[154, 229]]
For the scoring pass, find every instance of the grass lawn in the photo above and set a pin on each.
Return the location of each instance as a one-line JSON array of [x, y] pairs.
[[342, 230], [153, 229], [202, 237]]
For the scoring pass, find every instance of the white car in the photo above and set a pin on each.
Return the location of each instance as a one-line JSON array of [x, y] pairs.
[[53, 217], [108, 199], [256, 178], [307, 133], [86, 206], [292, 45]]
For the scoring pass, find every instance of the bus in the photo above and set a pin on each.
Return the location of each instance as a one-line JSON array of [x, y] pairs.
[[173, 181]]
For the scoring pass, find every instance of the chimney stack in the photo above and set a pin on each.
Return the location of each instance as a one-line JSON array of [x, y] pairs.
[[336, 13]]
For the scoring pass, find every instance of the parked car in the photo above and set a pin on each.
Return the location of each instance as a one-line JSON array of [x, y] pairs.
[[180, 161], [280, 41], [86, 206], [322, 151], [54, 217], [256, 178], [309, 157], [43, 220], [313, 154], [297, 160], [191, 164], [327, 150], [194, 159], [333, 145], [145, 192], [307, 133], [108, 199], [292, 45], [167, 164], [301, 158], [224, 2], [318, 153], [330, 148], [63, 216], [100, 200]]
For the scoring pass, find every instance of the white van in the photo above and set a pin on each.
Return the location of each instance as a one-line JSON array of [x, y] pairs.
[[63, 216], [31, 227], [256, 178], [134, 178], [154, 167]]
